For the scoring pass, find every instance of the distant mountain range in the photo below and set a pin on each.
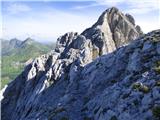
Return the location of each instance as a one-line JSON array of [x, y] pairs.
[[15, 54], [111, 71]]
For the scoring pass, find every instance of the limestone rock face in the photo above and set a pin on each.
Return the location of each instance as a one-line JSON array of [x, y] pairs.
[[76, 81], [112, 30]]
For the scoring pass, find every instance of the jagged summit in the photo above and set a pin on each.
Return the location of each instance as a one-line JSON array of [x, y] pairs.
[[78, 82], [29, 40], [104, 15], [112, 30], [112, 15], [15, 42]]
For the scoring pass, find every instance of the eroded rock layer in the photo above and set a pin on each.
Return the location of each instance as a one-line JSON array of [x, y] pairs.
[[77, 81]]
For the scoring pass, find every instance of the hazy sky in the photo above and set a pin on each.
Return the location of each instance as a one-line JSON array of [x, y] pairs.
[[46, 20]]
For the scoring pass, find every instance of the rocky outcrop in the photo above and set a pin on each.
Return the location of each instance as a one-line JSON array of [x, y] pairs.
[[73, 83], [112, 30]]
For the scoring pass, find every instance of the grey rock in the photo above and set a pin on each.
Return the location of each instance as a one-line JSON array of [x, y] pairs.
[[158, 48], [135, 62], [156, 93], [86, 78], [130, 18], [112, 30], [147, 46]]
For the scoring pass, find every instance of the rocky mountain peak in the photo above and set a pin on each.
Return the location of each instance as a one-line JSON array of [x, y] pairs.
[[104, 16], [64, 41], [112, 30], [15, 42], [28, 41], [107, 72]]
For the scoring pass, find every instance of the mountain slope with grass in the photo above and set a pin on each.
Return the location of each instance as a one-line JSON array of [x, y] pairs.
[[111, 71], [16, 54]]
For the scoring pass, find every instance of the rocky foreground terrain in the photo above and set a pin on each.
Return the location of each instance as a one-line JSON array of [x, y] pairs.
[[111, 71]]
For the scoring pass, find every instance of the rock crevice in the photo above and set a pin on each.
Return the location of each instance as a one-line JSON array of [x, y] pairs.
[[104, 73]]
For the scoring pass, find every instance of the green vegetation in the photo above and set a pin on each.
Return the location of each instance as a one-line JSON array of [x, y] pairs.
[[141, 87], [136, 86], [144, 89], [157, 67], [14, 57], [156, 111]]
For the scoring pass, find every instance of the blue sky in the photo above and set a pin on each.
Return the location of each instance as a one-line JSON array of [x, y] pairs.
[[48, 19]]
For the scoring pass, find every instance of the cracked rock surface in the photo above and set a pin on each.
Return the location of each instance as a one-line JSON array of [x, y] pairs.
[[109, 72]]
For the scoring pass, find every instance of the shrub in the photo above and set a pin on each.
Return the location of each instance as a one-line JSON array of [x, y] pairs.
[[144, 89], [157, 69], [141, 87], [136, 85], [158, 62]]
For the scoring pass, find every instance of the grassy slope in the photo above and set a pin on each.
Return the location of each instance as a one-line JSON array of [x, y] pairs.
[[10, 68]]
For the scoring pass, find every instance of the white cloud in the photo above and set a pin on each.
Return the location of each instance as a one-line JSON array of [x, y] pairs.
[[47, 25], [143, 6], [85, 6], [108, 3], [133, 6], [42, 0], [0, 21], [142, 10], [50, 24], [14, 8]]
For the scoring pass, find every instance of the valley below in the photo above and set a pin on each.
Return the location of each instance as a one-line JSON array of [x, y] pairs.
[[110, 71], [16, 54]]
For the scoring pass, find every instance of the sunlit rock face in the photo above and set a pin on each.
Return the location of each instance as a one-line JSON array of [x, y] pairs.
[[109, 72], [112, 30]]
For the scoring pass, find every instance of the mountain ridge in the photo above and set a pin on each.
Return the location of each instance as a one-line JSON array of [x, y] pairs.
[[87, 79], [115, 28], [16, 53]]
